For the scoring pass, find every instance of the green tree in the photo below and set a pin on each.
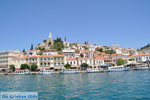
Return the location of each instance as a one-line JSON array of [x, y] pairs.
[[44, 41], [25, 66], [31, 47], [99, 49], [120, 62], [81, 55], [68, 66], [40, 53], [12, 67], [58, 44], [34, 67], [84, 66], [59, 52], [110, 52], [24, 51], [43, 48], [86, 48]]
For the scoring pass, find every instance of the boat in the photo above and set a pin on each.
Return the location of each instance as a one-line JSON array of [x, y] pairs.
[[117, 68], [46, 72], [69, 71], [95, 70], [142, 67], [22, 72]]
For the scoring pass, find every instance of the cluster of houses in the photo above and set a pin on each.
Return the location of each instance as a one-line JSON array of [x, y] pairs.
[[74, 54]]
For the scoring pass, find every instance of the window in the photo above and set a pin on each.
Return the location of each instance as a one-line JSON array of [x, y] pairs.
[[41, 59], [48, 58], [48, 63], [44, 63], [41, 64], [44, 59], [51, 58]]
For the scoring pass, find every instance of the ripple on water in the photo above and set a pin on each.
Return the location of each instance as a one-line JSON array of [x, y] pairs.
[[129, 85]]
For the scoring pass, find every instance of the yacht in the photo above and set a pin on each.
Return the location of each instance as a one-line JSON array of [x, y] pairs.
[[117, 68], [68, 71], [22, 72], [95, 70], [46, 72]]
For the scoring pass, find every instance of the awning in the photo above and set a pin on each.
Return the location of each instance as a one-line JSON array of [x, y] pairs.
[[105, 65]]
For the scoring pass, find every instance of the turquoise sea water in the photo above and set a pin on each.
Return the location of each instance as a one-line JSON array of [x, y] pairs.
[[127, 85]]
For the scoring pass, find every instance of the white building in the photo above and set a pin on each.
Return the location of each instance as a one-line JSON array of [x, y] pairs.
[[6, 58], [69, 52], [141, 57], [50, 52]]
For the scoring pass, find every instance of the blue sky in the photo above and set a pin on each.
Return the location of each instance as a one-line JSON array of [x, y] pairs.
[[103, 22]]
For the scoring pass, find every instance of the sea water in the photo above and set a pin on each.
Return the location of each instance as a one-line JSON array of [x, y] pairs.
[[125, 85]]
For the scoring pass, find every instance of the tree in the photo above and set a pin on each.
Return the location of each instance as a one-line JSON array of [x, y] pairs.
[[43, 48], [24, 51], [81, 55], [39, 44], [120, 62], [68, 66], [44, 41], [99, 49], [59, 52], [110, 52], [58, 44], [145, 47], [86, 48], [84, 66], [12, 67], [25, 66], [40, 53], [34, 67], [31, 47]]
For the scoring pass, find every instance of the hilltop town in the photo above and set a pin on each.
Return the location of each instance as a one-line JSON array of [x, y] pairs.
[[56, 54]]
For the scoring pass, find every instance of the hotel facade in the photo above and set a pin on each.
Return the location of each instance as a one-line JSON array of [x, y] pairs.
[[6, 58], [42, 61]]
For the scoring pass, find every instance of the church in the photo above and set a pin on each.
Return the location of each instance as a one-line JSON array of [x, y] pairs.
[[47, 44]]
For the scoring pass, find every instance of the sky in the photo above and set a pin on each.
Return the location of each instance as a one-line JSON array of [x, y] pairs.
[[101, 22]]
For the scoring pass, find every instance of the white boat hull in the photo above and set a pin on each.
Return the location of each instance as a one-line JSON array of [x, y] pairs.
[[22, 73], [69, 71], [94, 70], [117, 69], [45, 73], [142, 68]]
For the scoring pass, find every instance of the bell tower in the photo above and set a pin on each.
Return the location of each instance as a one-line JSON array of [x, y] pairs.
[[50, 37]]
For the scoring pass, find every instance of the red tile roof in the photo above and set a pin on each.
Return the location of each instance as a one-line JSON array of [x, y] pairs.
[[139, 55], [71, 59], [44, 56]]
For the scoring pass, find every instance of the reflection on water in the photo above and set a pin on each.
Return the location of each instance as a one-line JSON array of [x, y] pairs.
[[131, 85]]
